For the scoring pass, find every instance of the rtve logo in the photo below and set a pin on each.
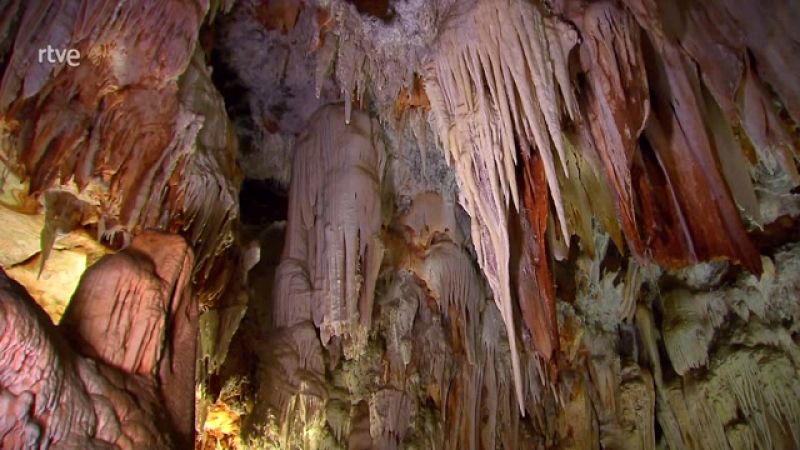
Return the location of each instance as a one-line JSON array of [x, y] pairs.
[[70, 56]]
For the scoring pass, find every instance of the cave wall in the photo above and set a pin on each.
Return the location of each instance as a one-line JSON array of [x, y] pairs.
[[118, 370], [133, 138], [475, 224]]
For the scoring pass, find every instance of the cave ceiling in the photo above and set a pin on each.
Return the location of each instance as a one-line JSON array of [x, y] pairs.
[[400, 224]]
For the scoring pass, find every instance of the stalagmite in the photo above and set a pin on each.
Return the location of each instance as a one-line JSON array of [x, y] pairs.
[[332, 252]]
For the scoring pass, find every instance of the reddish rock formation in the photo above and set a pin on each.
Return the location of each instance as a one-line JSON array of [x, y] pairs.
[[119, 369], [136, 131]]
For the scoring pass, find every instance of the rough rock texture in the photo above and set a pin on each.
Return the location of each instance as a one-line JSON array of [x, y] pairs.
[[136, 132], [135, 138], [114, 373], [505, 223]]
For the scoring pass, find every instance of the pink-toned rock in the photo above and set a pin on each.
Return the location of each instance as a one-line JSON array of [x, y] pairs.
[[119, 370]]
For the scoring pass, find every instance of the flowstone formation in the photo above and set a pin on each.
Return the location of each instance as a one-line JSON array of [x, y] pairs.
[[133, 138]]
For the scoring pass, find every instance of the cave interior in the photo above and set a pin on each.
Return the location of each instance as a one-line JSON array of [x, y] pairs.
[[566, 224]]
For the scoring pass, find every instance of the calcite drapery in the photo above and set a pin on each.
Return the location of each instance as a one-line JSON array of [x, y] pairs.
[[437, 343], [332, 253], [639, 112], [612, 49], [664, 136]]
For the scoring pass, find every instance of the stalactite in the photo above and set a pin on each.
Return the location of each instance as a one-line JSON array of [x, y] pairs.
[[763, 126], [440, 360], [646, 62], [492, 87], [689, 161], [453, 281], [663, 135], [733, 162], [477, 386], [727, 43], [535, 288], [617, 103], [206, 201], [633, 119], [373, 57], [459, 297]]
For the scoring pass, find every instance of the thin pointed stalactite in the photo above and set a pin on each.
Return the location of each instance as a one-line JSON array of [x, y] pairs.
[[535, 288], [637, 122], [493, 89]]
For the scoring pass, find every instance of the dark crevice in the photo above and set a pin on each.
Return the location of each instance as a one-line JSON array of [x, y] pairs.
[[262, 202], [771, 237], [231, 87], [382, 9]]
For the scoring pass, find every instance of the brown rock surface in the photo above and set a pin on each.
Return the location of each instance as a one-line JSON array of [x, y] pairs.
[[117, 372]]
